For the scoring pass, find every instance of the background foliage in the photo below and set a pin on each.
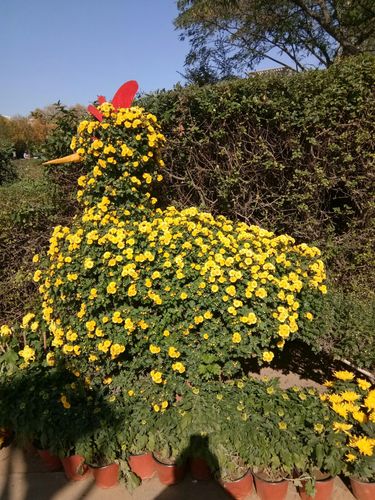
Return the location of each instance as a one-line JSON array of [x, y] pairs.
[[292, 153], [229, 37]]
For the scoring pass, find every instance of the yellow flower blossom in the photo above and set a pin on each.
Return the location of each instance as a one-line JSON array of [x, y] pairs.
[[65, 402], [50, 358], [37, 275], [5, 331], [363, 384], [88, 263], [236, 338], [26, 319], [112, 288], [370, 400], [116, 350], [156, 376], [154, 349], [344, 375], [268, 356], [350, 396], [340, 427], [179, 367], [173, 353], [27, 353], [364, 444], [284, 331]]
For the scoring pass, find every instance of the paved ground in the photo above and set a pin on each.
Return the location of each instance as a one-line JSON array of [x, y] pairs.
[[22, 477]]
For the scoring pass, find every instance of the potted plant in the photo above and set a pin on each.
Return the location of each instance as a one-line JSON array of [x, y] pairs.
[[171, 446], [233, 475], [138, 442], [318, 457], [352, 400], [271, 438], [201, 458], [100, 450], [361, 470], [6, 438]]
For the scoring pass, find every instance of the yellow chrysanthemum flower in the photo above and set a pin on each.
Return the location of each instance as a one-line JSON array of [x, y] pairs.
[[364, 444], [363, 384], [341, 427], [268, 356], [236, 338], [344, 375]]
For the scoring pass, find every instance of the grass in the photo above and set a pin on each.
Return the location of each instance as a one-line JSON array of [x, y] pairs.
[[30, 192], [28, 210]]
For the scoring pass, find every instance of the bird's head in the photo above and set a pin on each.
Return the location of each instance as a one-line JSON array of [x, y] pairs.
[[120, 149]]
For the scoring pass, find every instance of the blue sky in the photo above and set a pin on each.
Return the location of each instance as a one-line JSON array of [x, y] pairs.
[[73, 50]]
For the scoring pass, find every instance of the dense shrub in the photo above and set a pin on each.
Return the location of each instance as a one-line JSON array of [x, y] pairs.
[[29, 208], [292, 153], [7, 171]]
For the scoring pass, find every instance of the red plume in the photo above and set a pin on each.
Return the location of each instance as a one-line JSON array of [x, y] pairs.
[[125, 95], [122, 99], [95, 112]]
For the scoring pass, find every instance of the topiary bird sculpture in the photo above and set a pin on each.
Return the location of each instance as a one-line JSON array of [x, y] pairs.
[[164, 294]]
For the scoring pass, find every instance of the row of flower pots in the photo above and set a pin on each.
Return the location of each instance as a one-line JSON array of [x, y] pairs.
[[145, 466], [76, 469]]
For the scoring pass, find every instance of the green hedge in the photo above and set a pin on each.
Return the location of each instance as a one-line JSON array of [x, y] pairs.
[[292, 153]]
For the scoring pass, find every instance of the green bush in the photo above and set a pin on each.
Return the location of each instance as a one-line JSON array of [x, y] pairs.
[[29, 208], [292, 153], [346, 326], [7, 170]]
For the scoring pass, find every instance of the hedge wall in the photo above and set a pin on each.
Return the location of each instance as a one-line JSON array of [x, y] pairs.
[[292, 153]]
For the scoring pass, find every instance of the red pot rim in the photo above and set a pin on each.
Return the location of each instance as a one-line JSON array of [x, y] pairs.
[[267, 481], [360, 481], [235, 480], [167, 465], [102, 466], [325, 480]]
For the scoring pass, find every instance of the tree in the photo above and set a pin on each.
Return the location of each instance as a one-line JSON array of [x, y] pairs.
[[230, 37]]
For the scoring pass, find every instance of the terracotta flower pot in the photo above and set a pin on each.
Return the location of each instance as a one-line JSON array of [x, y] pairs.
[[51, 462], [6, 439], [362, 490], [271, 490], [199, 469], [107, 476], [5, 452], [169, 474], [240, 488], [323, 490], [142, 465], [75, 468]]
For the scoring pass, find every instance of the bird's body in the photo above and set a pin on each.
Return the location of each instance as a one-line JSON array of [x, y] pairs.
[[165, 292]]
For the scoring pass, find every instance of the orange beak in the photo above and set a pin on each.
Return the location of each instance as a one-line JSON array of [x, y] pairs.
[[74, 158]]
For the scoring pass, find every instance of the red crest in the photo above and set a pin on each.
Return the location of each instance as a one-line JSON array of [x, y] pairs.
[[122, 99]]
